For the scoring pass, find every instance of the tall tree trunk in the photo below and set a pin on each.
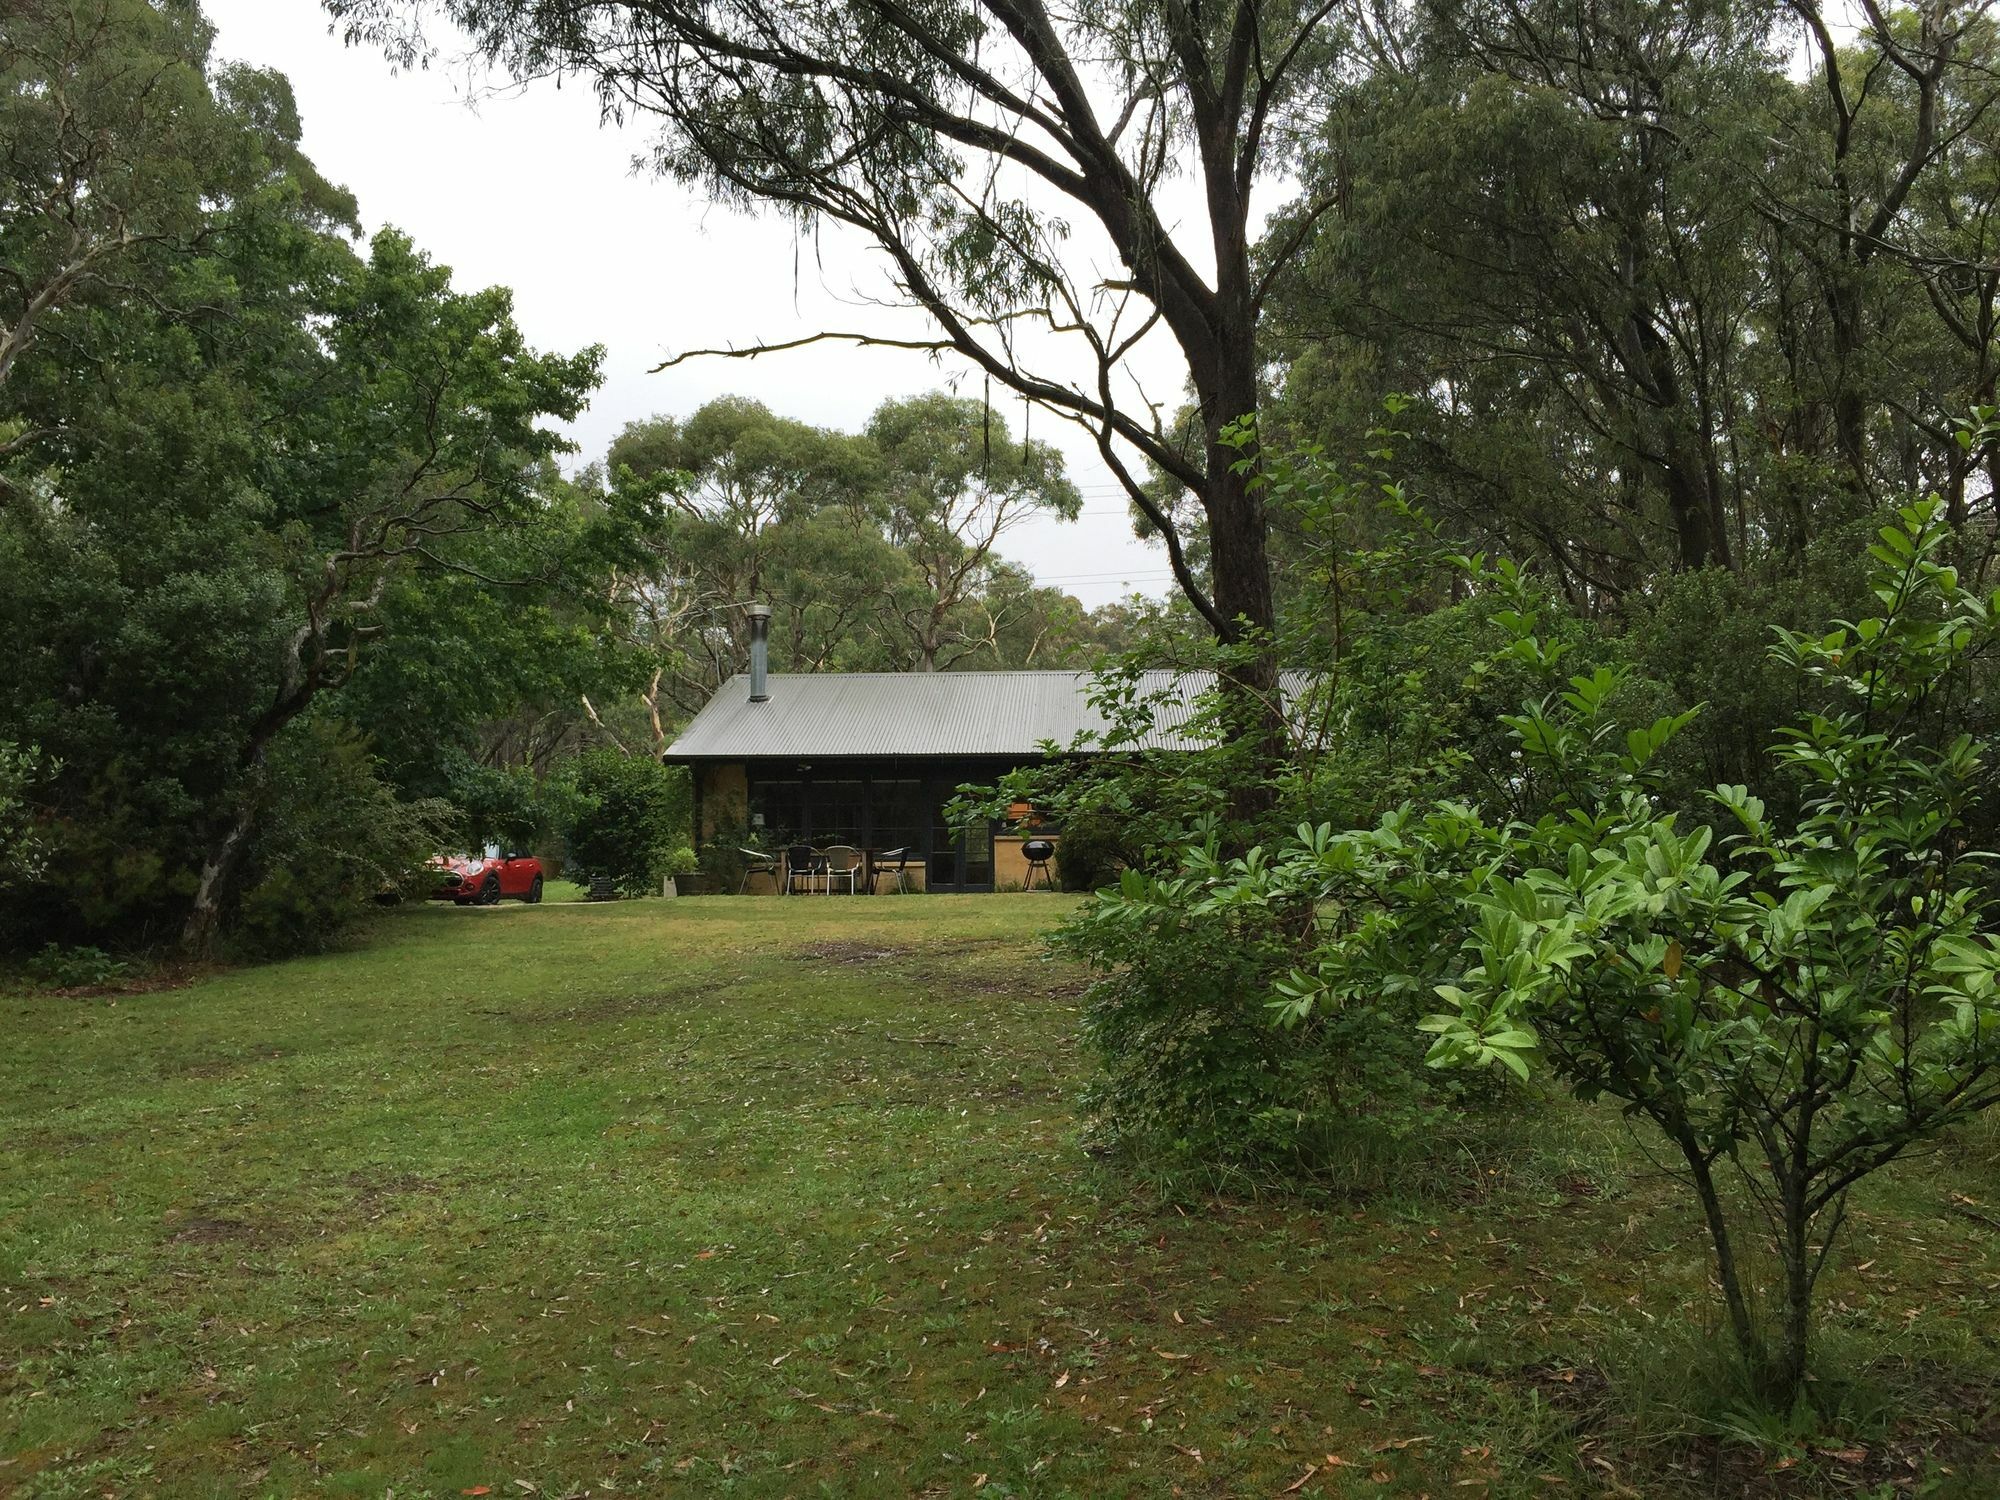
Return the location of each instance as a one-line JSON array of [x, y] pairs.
[[1700, 528], [1239, 560], [1850, 412], [218, 868], [225, 849]]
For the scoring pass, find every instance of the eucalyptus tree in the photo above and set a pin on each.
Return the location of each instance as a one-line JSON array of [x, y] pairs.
[[753, 506], [1548, 241], [90, 93], [1669, 299], [1048, 186], [954, 482], [1881, 189], [119, 140]]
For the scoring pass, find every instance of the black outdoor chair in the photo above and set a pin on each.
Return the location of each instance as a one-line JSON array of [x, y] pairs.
[[890, 862], [802, 862], [756, 862], [1039, 852]]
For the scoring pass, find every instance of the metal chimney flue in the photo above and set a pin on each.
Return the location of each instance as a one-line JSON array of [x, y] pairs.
[[760, 651]]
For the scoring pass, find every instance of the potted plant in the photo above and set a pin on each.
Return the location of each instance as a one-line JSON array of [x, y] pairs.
[[680, 865]]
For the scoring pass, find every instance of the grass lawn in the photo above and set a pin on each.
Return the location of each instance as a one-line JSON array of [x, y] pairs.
[[725, 1196]]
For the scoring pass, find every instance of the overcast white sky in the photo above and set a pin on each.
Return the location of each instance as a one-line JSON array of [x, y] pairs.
[[528, 191]]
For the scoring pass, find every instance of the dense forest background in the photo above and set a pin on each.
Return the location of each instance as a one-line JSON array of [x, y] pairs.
[[1670, 304]]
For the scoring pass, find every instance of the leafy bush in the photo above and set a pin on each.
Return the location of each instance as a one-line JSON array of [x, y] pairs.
[[1799, 1001], [630, 816], [1190, 1070], [719, 857], [81, 967], [506, 805], [22, 850], [1090, 852], [332, 837]]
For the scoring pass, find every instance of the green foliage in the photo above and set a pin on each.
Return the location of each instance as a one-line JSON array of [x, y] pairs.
[[22, 850], [953, 483], [81, 967], [628, 822], [246, 471], [720, 857], [1392, 687], [1192, 1076], [1802, 1000], [1649, 352], [1186, 1074], [1091, 852], [504, 805], [334, 838]]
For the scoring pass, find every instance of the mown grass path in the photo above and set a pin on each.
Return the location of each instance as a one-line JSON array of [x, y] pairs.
[[788, 1198]]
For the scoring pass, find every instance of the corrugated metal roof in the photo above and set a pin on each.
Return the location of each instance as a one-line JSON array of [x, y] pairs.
[[829, 714]]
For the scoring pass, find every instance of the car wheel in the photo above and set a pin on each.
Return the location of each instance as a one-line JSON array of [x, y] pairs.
[[535, 892], [489, 894]]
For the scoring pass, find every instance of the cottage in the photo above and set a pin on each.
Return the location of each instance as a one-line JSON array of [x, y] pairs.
[[872, 759]]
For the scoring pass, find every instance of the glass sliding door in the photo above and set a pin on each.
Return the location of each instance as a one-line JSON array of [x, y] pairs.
[[961, 857], [777, 812], [899, 818]]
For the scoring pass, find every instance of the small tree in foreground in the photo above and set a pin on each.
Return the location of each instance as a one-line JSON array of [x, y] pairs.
[[1802, 1000]]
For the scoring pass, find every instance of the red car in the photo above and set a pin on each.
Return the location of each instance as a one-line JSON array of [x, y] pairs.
[[482, 879]]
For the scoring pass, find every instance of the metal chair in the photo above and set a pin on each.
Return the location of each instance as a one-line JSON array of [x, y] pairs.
[[756, 862], [802, 862], [1039, 852], [889, 862], [841, 862]]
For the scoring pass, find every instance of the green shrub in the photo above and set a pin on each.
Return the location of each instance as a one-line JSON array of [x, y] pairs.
[[1089, 854], [22, 850], [1793, 1002], [1191, 1073], [503, 805], [81, 967], [630, 819], [720, 856], [333, 836]]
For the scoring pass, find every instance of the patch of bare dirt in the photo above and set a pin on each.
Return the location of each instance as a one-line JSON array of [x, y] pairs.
[[200, 1229], [222, 1067], [152, 982], [374, 1197], [838, 951], [615, 1007]]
